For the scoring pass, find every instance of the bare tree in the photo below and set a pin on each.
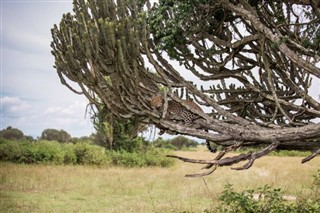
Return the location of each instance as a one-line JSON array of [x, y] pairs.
[[250, 64]]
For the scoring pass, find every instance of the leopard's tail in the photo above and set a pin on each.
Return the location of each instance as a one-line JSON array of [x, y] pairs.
[[212, 149]]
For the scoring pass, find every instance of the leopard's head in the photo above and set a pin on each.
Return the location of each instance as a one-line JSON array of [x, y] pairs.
[[156, 102]]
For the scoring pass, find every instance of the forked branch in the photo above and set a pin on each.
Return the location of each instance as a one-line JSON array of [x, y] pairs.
[[218, 161]]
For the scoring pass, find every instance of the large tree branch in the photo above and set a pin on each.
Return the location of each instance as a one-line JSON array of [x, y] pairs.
[[274, 38]]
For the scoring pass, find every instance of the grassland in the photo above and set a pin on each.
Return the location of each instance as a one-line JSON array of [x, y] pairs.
[[50, 188]]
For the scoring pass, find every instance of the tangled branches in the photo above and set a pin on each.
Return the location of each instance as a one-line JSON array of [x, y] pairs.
[[249, 64]]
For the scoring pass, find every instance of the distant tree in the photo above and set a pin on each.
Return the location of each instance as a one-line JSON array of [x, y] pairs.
[[64, 136], [162, 143], [182, 141], [86, 139], [56, 135], [29, 138], [11, 133]]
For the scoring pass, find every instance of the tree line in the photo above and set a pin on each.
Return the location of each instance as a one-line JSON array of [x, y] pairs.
[[122, 142], [12, 133], [58, 147]]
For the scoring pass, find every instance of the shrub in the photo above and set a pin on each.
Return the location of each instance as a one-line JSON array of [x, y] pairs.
[[48, 152], [70, 156], [312, 202], [90, 154], [53, 152], [10, 150], [157, 157], [140, 159], [268, 200], [126, 159]]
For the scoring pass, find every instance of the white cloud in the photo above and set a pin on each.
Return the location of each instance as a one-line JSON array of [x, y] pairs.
[[75, 109], [14, 104], [32, 97], [32, 120], [71, 118]]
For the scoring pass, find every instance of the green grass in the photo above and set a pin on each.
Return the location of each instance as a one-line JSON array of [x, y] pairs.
[[53, 188]]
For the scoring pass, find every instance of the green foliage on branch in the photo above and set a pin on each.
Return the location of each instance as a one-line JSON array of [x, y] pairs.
[[116, 133], [172, 23]]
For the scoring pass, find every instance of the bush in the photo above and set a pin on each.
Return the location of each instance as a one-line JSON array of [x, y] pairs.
[[126, 159], [312, 202], [135, 159], [52, 152], [11, 150], [27, 152], [70, 156], [44, 152], [157, 157], [268, 200], [90, 154]]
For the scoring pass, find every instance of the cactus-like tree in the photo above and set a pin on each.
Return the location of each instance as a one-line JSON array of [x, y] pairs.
[[250, 64]]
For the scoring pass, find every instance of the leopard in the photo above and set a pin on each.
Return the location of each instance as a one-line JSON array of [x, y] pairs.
[[176, 111]]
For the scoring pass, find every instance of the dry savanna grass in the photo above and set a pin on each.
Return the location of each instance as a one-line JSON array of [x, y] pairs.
[[49, 188]]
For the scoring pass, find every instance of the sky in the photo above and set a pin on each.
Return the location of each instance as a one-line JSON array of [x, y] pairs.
[[32, 97]]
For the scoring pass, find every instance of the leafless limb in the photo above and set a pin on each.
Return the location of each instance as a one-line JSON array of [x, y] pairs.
[[227, 161], [310, 157]]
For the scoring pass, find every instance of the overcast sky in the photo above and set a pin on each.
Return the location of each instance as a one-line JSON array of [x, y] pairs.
[[32, 97]]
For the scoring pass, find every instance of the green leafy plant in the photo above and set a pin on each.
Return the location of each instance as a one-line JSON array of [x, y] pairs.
[[53, 152], [267, 199]]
